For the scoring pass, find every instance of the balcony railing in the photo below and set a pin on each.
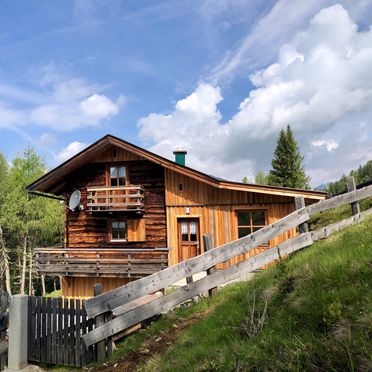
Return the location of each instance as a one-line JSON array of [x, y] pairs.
[[118, 198], [100, 262]]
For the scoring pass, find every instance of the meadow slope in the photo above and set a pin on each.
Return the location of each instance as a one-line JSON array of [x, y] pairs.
[[311, 312]]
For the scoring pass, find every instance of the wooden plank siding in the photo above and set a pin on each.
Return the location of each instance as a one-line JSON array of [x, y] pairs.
[[216, 210], [87, 229], [90, 230]]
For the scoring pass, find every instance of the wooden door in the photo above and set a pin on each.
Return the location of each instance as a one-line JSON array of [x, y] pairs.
[[188, 238]]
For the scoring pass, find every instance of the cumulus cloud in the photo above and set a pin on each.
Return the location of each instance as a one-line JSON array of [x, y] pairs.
[[61, 103], [329, 145], [321, 84], [72, 149]]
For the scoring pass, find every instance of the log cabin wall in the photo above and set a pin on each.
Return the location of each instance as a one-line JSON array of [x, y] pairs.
[[216, 210], [90, 229]]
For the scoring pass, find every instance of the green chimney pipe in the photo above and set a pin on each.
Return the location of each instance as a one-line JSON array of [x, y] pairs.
[[180, 156]]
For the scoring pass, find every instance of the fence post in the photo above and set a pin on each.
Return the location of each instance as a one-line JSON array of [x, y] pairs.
[[208, 245], [100, 319], [300, 203], [18, 336], [355, 208]]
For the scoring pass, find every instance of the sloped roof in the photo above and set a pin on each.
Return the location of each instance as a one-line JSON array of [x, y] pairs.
[[53, 181]]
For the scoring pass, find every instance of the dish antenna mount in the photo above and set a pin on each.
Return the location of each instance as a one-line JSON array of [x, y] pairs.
[[74, 202]]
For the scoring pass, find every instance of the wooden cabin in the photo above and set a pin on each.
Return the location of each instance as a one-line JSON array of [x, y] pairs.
[[137, 212]]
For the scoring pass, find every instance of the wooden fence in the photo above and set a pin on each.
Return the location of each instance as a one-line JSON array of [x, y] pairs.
[[130, 294], [55, 330], [75, 333], [4, 304]]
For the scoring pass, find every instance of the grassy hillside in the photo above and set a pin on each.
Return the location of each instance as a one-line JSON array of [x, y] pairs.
[[312, 312]]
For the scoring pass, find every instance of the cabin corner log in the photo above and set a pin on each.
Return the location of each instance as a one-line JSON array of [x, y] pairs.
[[167, 302], [170, 275]]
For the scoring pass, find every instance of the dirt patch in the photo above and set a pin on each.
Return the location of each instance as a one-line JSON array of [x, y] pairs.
[[152, 346]]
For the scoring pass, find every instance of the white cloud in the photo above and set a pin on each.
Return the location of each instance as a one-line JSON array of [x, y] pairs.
[[60, 103], [320, 84], [273, 30], [72, 149], [329, 145]]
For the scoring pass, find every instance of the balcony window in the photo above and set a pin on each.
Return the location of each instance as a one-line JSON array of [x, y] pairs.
[[118, 231], [117, 176]]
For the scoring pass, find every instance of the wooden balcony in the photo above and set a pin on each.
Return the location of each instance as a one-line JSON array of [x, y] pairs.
[[119, 198], [100, 262]]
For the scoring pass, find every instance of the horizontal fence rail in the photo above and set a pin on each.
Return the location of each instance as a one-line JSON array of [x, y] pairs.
[[206, 260], [109, 301]]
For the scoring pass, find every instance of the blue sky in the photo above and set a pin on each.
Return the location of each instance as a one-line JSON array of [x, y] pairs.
[[219, 77]]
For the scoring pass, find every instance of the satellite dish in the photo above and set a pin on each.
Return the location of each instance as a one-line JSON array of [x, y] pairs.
[[74, 201]]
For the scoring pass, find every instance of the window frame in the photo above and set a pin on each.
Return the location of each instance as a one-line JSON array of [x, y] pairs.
[[108, 174], [250, 226], [110, 222]]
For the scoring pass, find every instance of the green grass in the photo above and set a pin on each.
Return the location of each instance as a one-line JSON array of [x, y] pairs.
[[54, 294], [318, 317], [329, 216]]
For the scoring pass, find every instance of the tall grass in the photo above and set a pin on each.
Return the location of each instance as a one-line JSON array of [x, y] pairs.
[[315, 308]]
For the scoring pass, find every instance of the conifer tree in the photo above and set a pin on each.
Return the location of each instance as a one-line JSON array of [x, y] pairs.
[[287, 169], [261, 178]]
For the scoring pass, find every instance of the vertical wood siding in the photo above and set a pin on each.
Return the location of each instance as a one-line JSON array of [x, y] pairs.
[[216, 210]]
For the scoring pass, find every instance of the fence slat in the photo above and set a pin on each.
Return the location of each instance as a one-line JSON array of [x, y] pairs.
[[39, 328], [65, 332], [71, 338], [77, 334], [83, 332], [54, 331], [43, 346], [60, 352], [49, 330]]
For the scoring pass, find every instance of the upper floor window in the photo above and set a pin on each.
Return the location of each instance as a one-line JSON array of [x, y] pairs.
[[250, 221], [117, 176]]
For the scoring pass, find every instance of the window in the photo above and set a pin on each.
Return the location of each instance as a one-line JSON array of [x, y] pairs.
[[117, 176], [189, 231], [118, 231], [250, 221]]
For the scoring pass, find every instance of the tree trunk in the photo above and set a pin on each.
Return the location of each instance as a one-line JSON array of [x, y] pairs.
[[5, 262], [30, 287], [24, 264], [43, 284]]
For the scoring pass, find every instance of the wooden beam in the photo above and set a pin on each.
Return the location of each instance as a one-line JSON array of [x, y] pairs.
[[339, 200], [355, 208], [208, 245], [206, 260], [300, 203], [182, 294]]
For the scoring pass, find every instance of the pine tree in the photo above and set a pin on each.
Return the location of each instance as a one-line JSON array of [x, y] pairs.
[[287, 165]]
